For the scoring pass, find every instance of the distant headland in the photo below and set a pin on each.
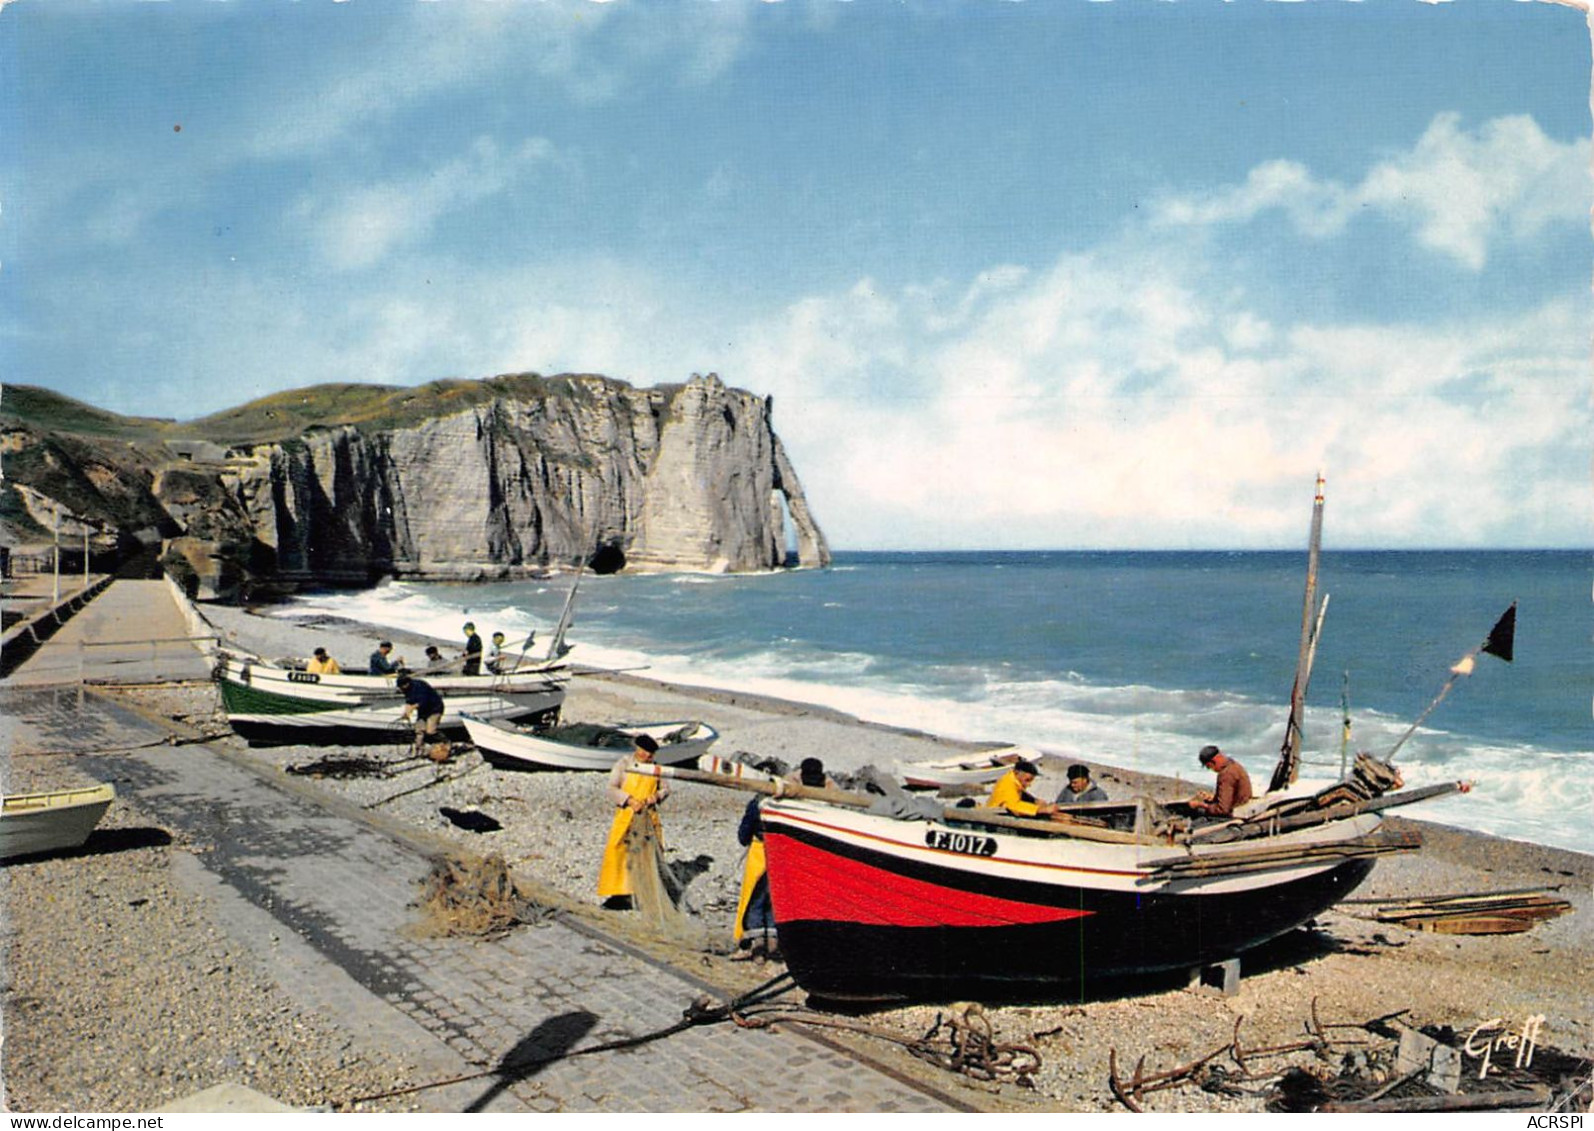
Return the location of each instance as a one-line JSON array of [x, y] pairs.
[[455, 480]]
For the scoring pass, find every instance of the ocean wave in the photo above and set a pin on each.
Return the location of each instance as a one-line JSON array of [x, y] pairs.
[[1521, 791]]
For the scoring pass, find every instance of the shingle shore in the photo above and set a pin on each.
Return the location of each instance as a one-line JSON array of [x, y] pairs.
[[552, 828]]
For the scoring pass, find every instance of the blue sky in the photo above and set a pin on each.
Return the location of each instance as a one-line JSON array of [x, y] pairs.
[[1017, 274]]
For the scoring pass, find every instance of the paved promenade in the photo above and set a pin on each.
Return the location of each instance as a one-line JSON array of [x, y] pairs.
[[134, 632], [321, 895]]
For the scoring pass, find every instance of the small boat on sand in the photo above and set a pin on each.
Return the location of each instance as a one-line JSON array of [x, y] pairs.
[[967, 769], [51, 821], [584, 746]]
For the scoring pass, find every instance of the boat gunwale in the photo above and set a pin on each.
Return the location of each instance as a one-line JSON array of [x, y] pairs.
[[70, 797]]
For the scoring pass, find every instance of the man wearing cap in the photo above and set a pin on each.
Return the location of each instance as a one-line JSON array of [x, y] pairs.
[[500, 659], [473, 651], [1011, 793], [382, 662], [322, 664], [1233, 789], [1080, 789]]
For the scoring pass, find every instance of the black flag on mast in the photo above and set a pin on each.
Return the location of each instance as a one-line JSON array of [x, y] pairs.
[[1503, 635], [1502, 639]]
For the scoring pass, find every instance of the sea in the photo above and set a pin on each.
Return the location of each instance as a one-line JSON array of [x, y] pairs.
[[1133, 659]]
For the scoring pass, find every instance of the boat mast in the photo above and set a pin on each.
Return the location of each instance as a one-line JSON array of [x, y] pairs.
[[1289, 763], [556, 646]]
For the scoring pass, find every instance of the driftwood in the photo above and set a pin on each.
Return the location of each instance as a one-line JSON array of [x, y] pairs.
[[1536, 1096]]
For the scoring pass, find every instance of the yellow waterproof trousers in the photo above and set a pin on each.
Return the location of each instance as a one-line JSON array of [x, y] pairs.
[[614, 876], [751, 874]]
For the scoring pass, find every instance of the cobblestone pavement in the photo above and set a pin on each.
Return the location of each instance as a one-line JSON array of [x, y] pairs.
[[324, 897]]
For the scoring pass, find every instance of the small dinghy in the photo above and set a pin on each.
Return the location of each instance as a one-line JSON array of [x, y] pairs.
[[48, 822], [969, 769], [584, 746]]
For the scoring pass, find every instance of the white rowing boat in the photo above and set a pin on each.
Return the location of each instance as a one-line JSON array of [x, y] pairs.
[[969, 769], [584, 746]]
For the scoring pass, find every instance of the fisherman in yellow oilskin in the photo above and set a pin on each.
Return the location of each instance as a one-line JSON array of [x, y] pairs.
[[1011, 793], [633, 795]]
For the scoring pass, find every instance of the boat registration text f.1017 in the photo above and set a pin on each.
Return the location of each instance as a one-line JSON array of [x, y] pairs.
[[970, 844]]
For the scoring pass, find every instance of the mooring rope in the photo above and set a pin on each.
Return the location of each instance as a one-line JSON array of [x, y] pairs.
[[703, 1011]]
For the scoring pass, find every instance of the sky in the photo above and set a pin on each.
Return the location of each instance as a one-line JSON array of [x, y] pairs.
[[1017, 275]]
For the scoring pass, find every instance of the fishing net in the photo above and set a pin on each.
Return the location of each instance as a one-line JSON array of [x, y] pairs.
[[475, 896], [656, 894], [590, 734], [332, 766]]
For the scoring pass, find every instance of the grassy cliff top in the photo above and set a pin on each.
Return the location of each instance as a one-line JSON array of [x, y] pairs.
[[52, 412], [282, 416]]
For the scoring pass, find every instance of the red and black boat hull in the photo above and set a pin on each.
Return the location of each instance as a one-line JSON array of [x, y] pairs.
[[863, 923]]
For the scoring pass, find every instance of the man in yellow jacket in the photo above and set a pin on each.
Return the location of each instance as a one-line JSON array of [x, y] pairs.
[[633, 795], [322, 664], [1011, 793]]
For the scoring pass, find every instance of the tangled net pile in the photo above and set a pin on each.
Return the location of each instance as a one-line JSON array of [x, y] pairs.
[[475, 896]]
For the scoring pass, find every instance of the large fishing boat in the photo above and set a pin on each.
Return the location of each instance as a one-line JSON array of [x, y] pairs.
[[871, 906], [898, 896], [267, 703]]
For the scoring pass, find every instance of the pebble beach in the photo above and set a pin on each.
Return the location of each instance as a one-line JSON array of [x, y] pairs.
[[150, 1001]]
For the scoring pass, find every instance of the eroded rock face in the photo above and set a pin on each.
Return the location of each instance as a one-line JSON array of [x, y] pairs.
[[528, 473], [680, 477]]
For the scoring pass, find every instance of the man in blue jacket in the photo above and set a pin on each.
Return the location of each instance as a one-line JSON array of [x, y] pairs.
[[423, 701]]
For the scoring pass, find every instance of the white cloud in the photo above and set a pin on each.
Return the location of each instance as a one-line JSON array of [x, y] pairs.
[[571, 48], [358, 228], [1105, 404], [1460, 192]]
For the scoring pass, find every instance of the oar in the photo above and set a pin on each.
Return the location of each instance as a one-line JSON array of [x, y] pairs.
[[1499, 643], [779, 787]]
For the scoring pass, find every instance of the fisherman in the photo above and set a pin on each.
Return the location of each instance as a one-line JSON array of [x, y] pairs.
[[754, 932], [322, 664], [1080, 789], [632, 794], [382, 662], [434, 658], [1011, 793], [500, 660], [473, 651], [811, 772], [1233, 786], [423, 700]]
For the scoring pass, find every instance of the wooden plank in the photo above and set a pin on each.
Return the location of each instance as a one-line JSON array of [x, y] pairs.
[[1473, 925], [1536, 1096]]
